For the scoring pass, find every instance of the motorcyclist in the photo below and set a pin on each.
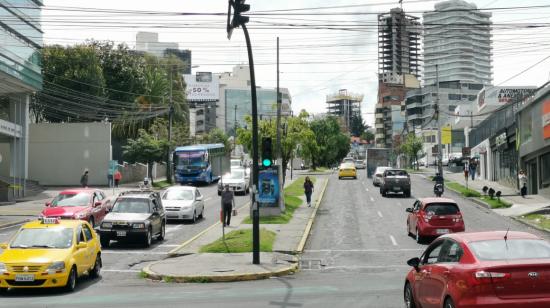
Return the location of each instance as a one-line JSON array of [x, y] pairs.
[[438, 179]]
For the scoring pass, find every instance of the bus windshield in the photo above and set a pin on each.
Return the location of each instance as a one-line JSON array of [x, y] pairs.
[[191, 160]]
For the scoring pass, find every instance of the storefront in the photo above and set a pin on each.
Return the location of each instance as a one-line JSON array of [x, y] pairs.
[[504, 157], [534, 143], [485, 166]]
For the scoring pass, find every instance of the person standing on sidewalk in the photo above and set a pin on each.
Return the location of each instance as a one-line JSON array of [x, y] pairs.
[[228, 202], [308, 189], [118, 177], [473, 167], [522, 177], [84, 179]]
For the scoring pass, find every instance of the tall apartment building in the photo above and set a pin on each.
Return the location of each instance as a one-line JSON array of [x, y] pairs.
[[398, 71], [20, 75], [344, 105], [457, 38], [149, 42]]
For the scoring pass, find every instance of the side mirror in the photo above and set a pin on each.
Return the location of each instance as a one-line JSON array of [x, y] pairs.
[[414, 262], [200, 198], [81, 245], [97, 203], [409, 210], [48, 204], [3, 245]]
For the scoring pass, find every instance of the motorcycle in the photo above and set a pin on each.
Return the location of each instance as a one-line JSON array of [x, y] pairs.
[[438, 190]]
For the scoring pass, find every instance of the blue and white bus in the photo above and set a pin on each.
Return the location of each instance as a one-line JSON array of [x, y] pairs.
[[200, 163]]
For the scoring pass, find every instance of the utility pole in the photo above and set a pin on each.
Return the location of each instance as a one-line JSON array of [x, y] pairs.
[[437, 118], [170, 120], [240, 21], [278, 123], [235, 131]]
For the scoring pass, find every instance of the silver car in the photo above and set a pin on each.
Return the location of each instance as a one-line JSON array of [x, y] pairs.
[[183, 203], [377, 176], [237, 180], [360, 164]]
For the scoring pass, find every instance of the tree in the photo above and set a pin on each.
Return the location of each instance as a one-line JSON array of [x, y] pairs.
[[411, 147], [367, 135], [146, 149], [217, 135], [332, 144], [357, 125]]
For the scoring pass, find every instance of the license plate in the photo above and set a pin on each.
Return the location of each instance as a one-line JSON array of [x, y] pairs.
[[24, 277], [121, 233], [442, 231], [397, 188]]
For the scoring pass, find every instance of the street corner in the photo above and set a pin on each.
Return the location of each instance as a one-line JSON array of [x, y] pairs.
[[222, 267]]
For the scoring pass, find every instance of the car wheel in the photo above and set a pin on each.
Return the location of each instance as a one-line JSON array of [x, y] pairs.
[[104, 240], [71, 280], [449, 303], [91, 222], [3, 291], [408, 296], [97, 267], [219, 193], [419, 238], [162, 234], [194, 219], [409, 229], [201, 215], [148, 238], [339, 177], [407, 194]]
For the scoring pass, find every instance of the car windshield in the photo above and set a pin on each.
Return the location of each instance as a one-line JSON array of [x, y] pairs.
[[396, 173], [71, 199], [126, 205], [441, 208], [43, 238], [494, 250], [358, 161], [178, 194], [234, 175]]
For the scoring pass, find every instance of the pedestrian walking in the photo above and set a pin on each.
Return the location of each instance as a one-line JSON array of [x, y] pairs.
[[308, 189], [473, 167], [84, 179], [522, 177], [118, 177], [228, 202]]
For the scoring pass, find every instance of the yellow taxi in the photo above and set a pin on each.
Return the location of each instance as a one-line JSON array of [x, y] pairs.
[[347, 170], [50, 253]]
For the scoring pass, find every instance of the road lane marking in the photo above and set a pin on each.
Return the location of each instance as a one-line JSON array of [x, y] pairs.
[[380, 214], [168, 245], [371, 199], [365, 250], [393, 240], [141, 252]]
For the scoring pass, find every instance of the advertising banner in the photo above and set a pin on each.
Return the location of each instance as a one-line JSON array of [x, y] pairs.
[[268, 188], [202, 87], [446, 135], [546, 119], [497, 96]]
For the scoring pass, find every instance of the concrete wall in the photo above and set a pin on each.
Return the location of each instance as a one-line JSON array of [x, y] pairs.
[[59, 153], [133, 173]]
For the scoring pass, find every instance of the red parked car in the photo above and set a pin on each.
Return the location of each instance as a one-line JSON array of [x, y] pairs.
[[432, 217], [82, 203], [498, 269]]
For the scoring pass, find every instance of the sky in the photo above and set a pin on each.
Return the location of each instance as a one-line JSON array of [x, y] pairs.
[[319, 53]]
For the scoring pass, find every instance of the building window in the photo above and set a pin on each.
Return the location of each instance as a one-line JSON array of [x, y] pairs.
[[526, 125], [454, 97], [545, 170], [452, 108]]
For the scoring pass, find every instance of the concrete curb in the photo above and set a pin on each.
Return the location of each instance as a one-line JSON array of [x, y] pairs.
[[302, 243], [529, 224], [15, 223], [174, 252], [225, 278], [483, 204]]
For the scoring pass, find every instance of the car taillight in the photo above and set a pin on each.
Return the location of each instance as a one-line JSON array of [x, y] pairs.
[[457, 218], [427, 218], [483, 277]]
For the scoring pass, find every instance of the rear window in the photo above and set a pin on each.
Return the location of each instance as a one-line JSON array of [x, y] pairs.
[[441, 208], [511, 249], [396, 173]]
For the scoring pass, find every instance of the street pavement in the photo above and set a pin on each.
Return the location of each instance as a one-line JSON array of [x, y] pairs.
[[355, 257]]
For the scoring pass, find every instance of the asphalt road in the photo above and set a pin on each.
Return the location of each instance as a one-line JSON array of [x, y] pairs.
[[355, 257]]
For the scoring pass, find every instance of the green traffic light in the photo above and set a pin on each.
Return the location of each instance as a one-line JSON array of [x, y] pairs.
[[266, 162]]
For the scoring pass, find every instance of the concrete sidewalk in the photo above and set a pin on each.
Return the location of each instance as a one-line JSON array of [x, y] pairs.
[[520, 206], [188, 265]]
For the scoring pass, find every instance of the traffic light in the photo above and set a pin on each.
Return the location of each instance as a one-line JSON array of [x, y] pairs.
[[238, 7], [267, 152]]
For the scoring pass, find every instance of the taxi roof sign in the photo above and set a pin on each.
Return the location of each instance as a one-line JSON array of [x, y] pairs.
[[50, 220]]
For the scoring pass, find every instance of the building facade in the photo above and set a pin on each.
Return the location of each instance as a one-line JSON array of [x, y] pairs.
[[533, 142], [20, 72], [344, 105], [457, 38], [202, 92]]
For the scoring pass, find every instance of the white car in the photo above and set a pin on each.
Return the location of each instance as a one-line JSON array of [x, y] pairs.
[[237, 180], [360, 164], [183, 203], [377, 176]]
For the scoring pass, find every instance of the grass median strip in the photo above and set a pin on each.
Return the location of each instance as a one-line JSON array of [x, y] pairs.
[[466, 192], [540, 220], [495, 203], [161, 184], [240, 241]]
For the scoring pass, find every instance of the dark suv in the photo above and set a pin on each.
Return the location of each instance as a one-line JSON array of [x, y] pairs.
[[137, 215], [395, 181]]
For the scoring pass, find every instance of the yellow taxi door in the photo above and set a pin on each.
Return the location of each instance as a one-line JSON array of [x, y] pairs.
[[81, 255], [92, 245]]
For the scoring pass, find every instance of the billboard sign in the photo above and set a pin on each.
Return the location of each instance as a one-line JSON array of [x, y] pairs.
[[497, 96], [546, 119], [202, 87], [446, 135], [268, 188]]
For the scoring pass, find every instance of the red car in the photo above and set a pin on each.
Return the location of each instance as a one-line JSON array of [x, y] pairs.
[[498, 269], [87, 204], [432, 217]]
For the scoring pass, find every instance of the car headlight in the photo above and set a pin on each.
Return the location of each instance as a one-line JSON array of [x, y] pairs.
[[138, 225], [3, 268], [107, 225], [56, 267]]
